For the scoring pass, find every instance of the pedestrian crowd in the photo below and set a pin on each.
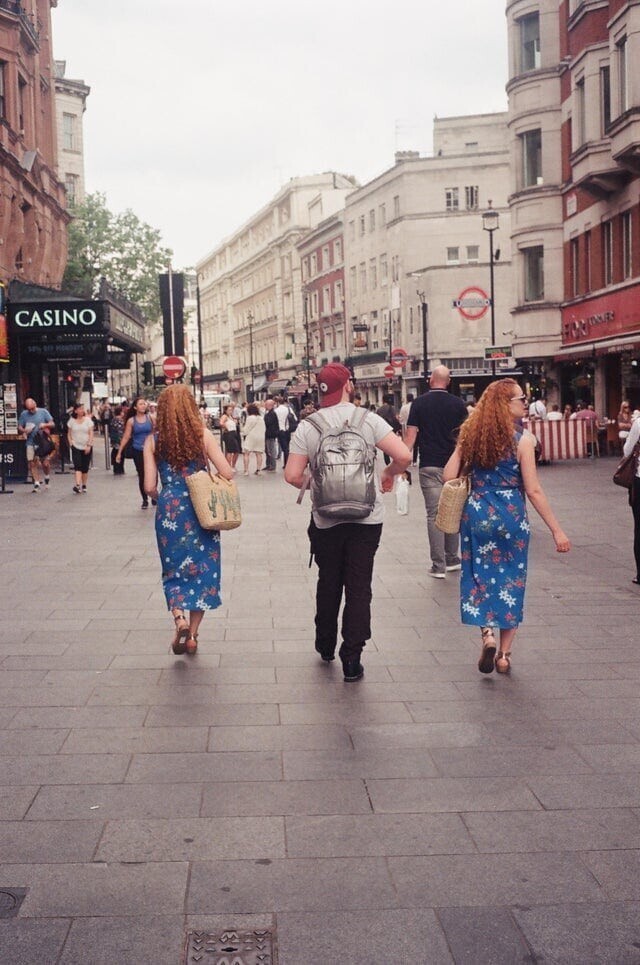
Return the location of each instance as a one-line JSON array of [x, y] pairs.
[[330, 448]]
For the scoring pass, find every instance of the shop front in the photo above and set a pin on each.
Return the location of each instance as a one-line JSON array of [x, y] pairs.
[[600, 354]]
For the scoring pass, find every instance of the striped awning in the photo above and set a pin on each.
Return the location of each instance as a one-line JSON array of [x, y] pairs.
[[562, 439]]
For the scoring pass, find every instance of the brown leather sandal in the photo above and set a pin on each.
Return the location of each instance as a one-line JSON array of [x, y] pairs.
[[485, 663], [178, 644], [192, 643], [505, 657]]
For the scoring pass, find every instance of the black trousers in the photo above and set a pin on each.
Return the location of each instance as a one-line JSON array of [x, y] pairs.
[[344, 554], [138, 461], [634, 499], [284, 438]]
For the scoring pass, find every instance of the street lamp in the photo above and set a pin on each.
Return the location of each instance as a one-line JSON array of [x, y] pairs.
[[305, 306], [424, 309], [250, 392], [490, 223]]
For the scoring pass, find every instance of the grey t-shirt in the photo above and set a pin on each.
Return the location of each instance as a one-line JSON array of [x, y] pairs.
[[305, 443]]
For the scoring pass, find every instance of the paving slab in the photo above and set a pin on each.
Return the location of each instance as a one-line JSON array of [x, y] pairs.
[[26, 941], [572, 934]]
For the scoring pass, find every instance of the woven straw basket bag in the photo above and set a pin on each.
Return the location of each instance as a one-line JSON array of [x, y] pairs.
[[451, 504], [215, 500]]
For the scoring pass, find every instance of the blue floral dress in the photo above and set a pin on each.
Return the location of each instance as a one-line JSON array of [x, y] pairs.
[[494, 536], [190, 555]]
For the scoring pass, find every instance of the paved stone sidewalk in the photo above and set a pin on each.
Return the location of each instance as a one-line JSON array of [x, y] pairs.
[[425, 814]]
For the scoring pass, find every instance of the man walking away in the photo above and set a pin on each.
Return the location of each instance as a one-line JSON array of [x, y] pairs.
[[270, 435], [403, 418], [344, 548], [32, 420], [283, 414], [433, 420], [388, 413]]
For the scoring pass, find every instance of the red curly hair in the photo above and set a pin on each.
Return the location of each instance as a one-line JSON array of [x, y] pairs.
[[179, 427], [487, 436]]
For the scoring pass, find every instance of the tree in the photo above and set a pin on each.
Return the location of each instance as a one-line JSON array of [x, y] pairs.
[[121, 248]]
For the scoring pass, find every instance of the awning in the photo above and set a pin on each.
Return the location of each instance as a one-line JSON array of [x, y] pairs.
[[277, 386], [606, 346]]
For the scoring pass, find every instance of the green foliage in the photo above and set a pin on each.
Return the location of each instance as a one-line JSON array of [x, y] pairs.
[[121, 248]]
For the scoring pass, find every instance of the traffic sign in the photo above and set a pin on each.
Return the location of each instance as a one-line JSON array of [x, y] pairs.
[[399, 357], [389, 371], [472, 303], [174, 367]]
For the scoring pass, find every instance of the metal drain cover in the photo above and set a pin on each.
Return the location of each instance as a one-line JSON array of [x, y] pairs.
[[232, 947], [10, 901]]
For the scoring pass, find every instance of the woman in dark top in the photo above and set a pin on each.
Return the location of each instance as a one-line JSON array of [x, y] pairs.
[[138, 426]]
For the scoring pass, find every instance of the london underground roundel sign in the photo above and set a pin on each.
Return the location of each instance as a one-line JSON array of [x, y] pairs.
[[472, 303], [173, 367]]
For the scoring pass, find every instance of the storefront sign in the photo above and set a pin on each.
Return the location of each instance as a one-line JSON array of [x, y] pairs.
[[617, 313], [31, 319]]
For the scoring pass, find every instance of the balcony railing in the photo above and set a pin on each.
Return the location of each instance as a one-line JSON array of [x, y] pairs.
[[26, 21]]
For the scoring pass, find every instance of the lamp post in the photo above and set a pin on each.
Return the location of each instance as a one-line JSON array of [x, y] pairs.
[[490, 223], [424, 309], [305, 305], [199, 324], [250, 321]]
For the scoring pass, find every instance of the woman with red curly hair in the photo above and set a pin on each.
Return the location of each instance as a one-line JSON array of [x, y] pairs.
[[494, 532], [190, 555]]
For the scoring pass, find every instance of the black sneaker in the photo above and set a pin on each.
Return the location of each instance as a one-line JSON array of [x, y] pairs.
[[46, 480], [77, 490], [353, 670], [145, 505], [154, 502], [84, 489], [326, 656]]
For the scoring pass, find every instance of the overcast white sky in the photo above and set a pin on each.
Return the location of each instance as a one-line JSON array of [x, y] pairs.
[[201, 109]]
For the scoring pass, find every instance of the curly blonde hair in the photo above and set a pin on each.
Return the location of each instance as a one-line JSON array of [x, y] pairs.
[[179, 427], [487, 436]]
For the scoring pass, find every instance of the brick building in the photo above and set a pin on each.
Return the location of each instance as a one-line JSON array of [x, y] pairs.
[[574, 105]]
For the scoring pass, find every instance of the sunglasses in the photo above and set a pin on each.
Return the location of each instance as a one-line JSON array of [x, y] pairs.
[[518, 398]]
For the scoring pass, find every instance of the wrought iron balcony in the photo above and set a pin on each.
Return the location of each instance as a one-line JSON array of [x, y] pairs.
[[29, 26]]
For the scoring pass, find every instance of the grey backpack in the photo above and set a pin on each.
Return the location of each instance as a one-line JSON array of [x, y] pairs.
[[343, 483]]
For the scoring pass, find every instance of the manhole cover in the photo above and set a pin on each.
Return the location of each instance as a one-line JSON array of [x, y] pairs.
[[231, 947], [10, 901]]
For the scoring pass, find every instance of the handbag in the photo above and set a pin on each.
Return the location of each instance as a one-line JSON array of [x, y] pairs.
[[451, 504], [215, 500], [626, 470]]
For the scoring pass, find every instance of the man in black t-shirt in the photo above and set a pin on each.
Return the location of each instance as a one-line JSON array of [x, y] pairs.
[[434, 419]]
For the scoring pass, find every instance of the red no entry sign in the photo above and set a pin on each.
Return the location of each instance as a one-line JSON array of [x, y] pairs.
[[389, 371], [173, 367]]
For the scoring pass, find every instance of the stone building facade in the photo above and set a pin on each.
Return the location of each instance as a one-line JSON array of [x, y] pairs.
[[251, 290], [574, 103], [415, 234], [71, 100]]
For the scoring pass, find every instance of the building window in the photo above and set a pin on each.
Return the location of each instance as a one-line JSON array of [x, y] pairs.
[[382, 211], [372, 220], [3, 103], [326, 300], [605, 98], [627, 265], [337, 250], [384, 270], [352, 280], [623, 79], [607, 252], [579, 125], [314, 265], [326, 260], [453, 256], [363, 277], [338, 296], [533, 273], [410, 319], [22, 87], [587, 261], [529, 42], [373, 273], [531, 158], [362, 225], [71, 185], [473, 253], [471, 195], [575, 268], [451, 199], [69, 132], [352, 230], [395, 268], [396, 206]]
